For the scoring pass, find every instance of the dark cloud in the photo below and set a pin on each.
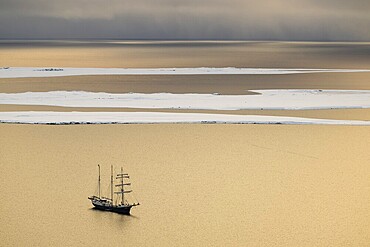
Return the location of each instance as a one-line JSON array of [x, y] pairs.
[[191, 19]]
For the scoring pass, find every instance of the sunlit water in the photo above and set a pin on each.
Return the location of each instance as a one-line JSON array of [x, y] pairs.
[[212, 185], [149, 54]]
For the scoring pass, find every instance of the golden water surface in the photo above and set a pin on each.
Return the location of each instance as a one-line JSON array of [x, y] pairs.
[[203, 185]]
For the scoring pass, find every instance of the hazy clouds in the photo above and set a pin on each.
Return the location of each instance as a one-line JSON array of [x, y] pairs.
[[191, 19]]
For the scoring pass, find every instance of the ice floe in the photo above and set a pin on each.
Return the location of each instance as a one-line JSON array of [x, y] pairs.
[[18, 72], [265, 99], [48, 117]]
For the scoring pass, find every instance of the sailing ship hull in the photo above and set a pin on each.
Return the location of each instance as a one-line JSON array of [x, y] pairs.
[[122, 210], [117, 209]]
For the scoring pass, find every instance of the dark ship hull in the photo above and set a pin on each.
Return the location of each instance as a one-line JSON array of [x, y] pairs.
[[117, 209]]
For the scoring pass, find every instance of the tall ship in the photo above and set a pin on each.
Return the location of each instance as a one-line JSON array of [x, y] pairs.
[[117, 202]]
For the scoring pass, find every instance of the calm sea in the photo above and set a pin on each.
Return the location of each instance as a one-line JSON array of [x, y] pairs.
[[184, 54]]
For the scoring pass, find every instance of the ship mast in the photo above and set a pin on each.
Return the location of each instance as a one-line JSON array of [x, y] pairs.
[[111, 183], [122, 187], [99, 181], [122, 176]]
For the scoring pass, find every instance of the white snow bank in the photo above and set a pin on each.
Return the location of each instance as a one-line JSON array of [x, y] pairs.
[[17, 72], [48, 117], [267, 99]]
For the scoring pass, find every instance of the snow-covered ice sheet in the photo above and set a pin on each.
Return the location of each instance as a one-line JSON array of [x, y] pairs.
[[48, 117], [18, 72], [266, 99]]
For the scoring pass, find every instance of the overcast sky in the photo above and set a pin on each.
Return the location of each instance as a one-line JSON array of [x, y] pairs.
[[186, 19]]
